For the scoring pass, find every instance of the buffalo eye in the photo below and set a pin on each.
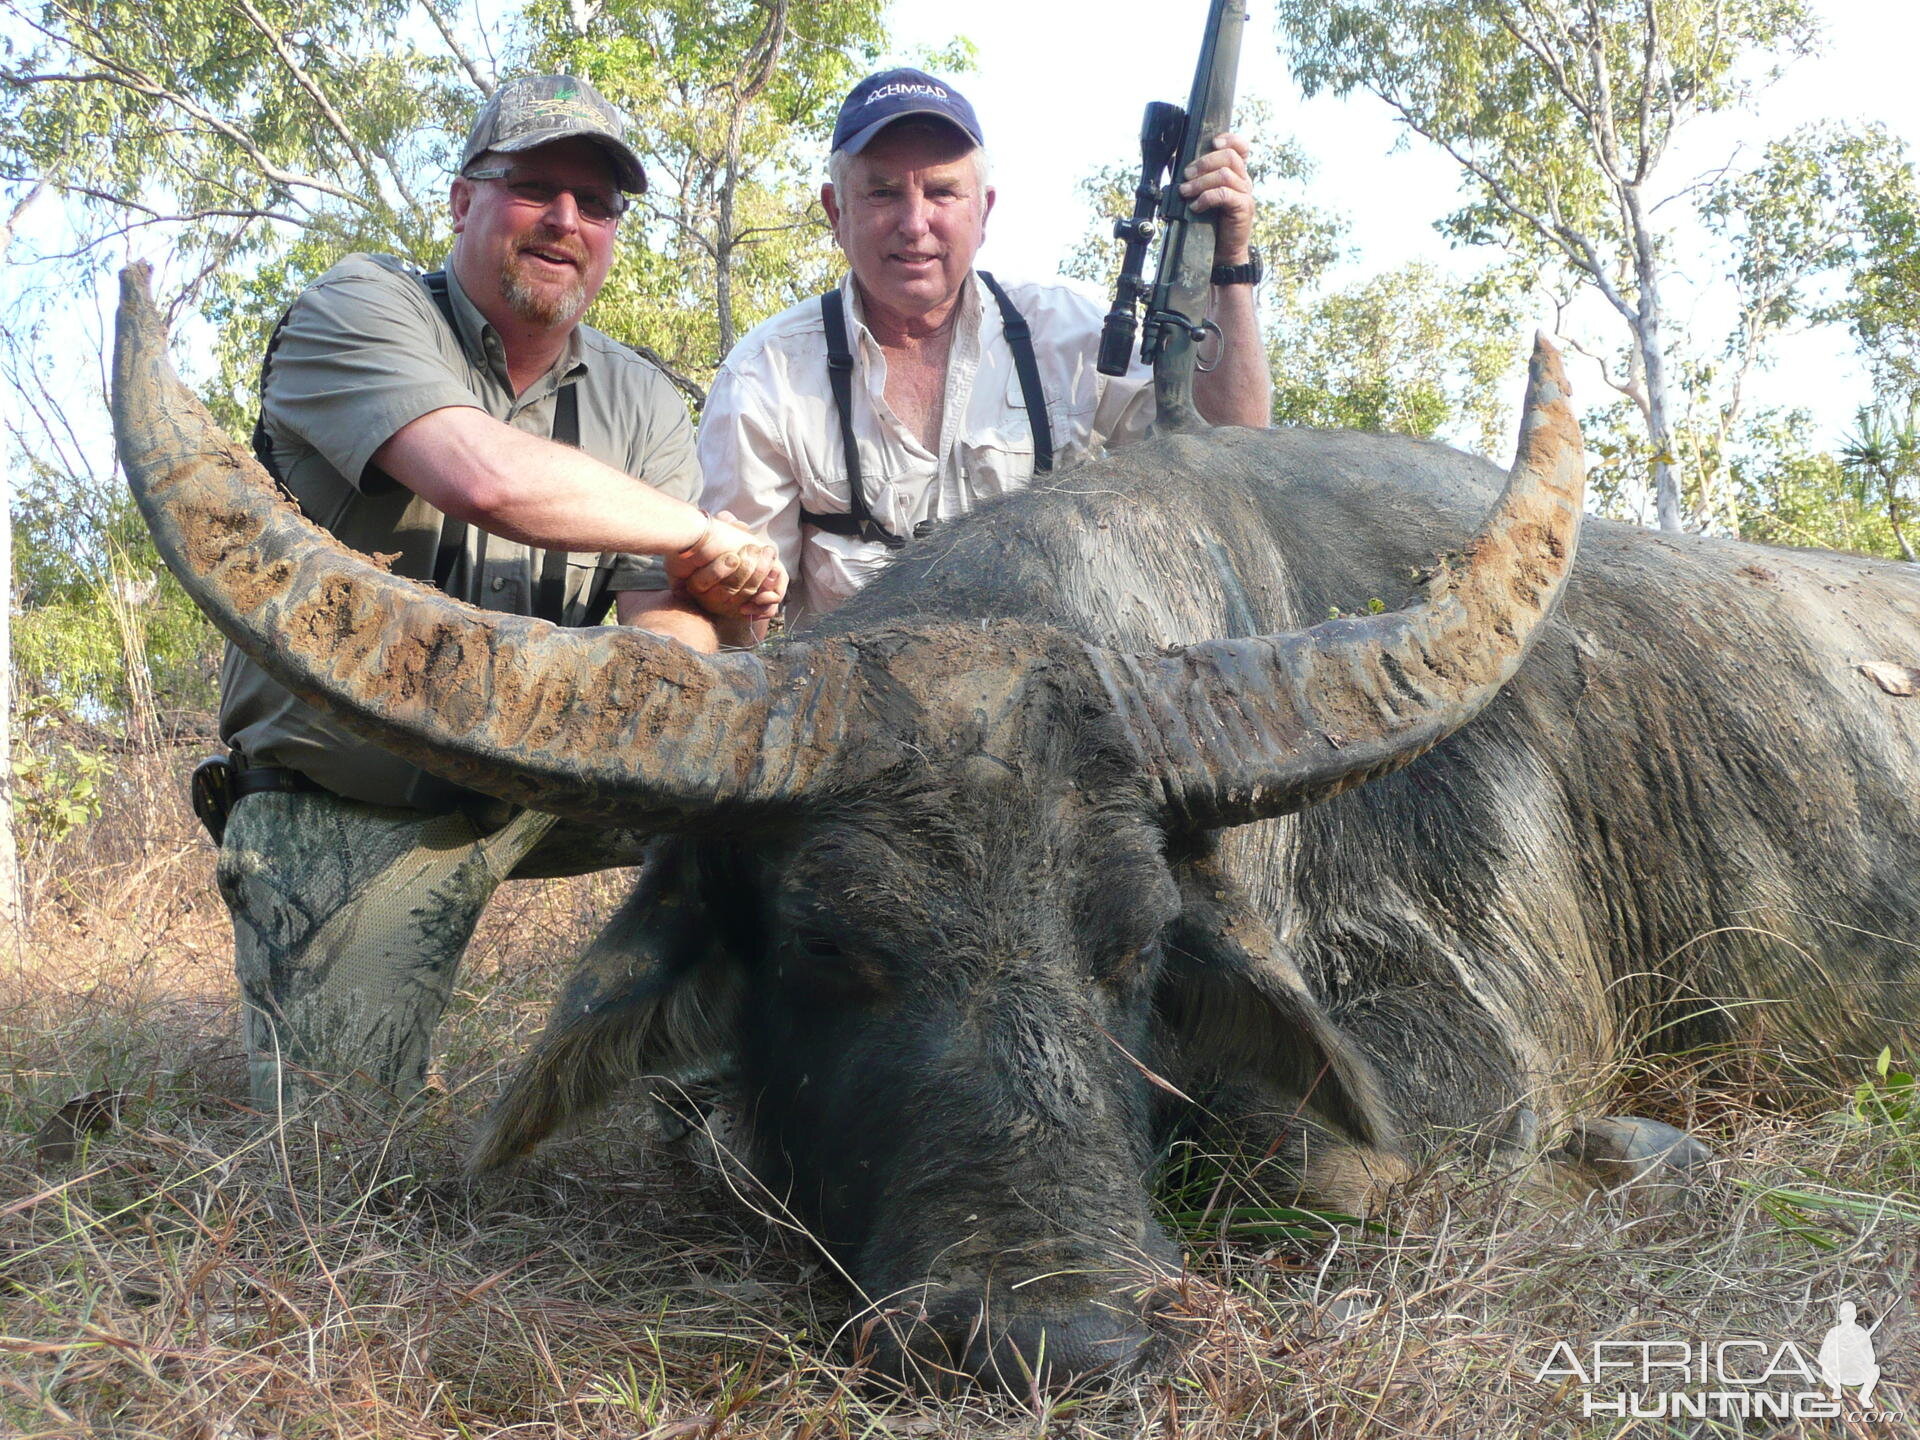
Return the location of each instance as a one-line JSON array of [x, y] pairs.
[[817, 945], [829, 964], [1129, 965]]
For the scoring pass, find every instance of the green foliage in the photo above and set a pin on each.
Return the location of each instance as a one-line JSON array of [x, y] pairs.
[[1883, 301], [1883, 458], [734, 102], [75, 652], [1887, 1097], [57, 785], [57, 792], [1791, 493], [1409, 351], [1207, 1198], [1821, 202], [1559, 118], [1815, 203], [257, 143], [1775, 483], [264, 142], [79, 543]]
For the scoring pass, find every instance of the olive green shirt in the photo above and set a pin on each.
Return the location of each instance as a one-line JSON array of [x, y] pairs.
[[363, 352]]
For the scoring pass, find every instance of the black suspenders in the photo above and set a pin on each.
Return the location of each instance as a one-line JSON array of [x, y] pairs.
[[833, 310], [1020, 341], [550, 595], [859, 521]]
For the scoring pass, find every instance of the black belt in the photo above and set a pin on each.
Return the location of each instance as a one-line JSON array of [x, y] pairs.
[[221, 782], [263, 779]]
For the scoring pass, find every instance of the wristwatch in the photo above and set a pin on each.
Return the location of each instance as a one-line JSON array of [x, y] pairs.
[[1247, 274]]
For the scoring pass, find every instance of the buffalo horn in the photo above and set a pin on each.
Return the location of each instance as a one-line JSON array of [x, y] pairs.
[[1240, 730], [604, 724]]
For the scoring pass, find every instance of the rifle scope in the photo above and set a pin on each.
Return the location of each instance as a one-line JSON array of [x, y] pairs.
[[1161, 132]]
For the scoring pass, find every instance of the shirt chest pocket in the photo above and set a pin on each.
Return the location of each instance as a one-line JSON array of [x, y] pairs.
[[996, 453]]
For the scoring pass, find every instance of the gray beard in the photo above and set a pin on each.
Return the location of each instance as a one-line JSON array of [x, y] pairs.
[[541, 307]]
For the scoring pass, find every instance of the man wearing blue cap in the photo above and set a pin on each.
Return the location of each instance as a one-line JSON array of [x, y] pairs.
[[921, 386]]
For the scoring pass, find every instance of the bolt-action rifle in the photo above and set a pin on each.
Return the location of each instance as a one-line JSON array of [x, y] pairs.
[[1176, 320]]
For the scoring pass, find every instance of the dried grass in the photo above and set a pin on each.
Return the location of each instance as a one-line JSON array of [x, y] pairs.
[[195, 1274]]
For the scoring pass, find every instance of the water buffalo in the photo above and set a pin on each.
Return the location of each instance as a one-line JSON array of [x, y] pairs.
[[1075, 825]]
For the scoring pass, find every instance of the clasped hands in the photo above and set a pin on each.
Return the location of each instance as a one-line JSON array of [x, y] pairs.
[[730, 572]]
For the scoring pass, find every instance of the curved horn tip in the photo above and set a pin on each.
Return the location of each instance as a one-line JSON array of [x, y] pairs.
[[1548, 430], [136, 282], [1546, 367]]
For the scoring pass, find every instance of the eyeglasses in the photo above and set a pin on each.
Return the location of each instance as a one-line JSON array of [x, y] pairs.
[[596, 207]]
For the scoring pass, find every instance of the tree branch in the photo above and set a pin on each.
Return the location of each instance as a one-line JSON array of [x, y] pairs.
[[118, 232], [1560, 236], [445, 27], [1629, 387], [760, 67], [313, 91], [139, 84], [692, 388], [1549, 58], [13, 218], [1648, 59]]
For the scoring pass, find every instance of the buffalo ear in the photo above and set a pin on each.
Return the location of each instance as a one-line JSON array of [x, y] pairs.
[[1236, 1005], [654, 994]]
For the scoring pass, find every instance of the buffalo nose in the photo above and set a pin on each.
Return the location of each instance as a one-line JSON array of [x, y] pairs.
[[960, 1342]]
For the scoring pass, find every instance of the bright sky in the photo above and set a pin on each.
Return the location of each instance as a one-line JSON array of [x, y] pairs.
[[1060, 88]]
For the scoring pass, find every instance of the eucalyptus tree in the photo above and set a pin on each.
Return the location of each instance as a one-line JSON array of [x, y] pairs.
[[1562, 118]]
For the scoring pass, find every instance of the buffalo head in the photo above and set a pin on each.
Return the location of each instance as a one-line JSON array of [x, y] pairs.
[[943, 887]]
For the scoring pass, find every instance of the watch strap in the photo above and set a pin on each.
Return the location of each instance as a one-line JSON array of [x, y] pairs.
[[1249, 273]]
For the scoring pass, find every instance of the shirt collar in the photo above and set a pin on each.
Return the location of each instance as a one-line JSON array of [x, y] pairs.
[[481, 341], [966, 323]]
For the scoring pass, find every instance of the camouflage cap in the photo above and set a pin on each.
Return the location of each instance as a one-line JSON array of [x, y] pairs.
[[533, 110]]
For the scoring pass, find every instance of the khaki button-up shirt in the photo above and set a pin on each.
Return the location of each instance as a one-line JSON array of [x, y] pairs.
[[363, 352], [770, 441]]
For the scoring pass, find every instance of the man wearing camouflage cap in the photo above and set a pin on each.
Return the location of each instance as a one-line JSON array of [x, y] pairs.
[[468, 424]]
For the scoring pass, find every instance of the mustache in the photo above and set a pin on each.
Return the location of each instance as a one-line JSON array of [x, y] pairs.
[[559, 245]]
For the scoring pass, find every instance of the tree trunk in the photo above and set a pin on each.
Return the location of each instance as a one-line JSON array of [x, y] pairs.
[[1893, 519], [12, 908], [12, 911], [755, 74], [1647, 337]]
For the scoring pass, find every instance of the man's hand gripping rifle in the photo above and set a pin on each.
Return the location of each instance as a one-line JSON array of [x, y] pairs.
[[1176, 322]]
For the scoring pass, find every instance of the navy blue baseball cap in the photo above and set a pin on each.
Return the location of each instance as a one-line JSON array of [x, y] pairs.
[[879, 100]]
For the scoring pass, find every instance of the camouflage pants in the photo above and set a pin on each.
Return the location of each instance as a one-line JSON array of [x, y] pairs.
[[350, 922]]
